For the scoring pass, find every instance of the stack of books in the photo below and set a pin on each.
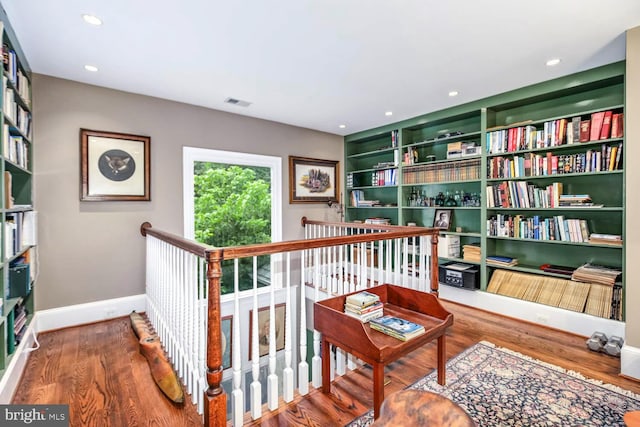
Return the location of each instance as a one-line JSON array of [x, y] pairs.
[[502, 261], [605, 239], [577, 201], [396, 327], [364, 306], [471, 252], [378, 221], [558, 269], [592, 273]]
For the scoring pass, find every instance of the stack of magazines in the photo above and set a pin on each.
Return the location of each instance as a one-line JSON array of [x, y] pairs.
[[396, 327], [363, 306], [593, 273]]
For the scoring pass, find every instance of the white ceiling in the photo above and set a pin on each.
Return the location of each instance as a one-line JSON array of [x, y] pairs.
[[319, 64]]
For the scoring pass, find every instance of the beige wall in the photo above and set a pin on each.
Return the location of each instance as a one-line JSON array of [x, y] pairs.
[[92, 251], [632, 174]]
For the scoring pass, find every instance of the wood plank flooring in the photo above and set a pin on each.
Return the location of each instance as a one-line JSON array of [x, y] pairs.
[[98, 370]]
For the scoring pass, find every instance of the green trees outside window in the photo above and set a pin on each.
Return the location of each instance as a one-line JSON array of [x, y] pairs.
[[232, 207]]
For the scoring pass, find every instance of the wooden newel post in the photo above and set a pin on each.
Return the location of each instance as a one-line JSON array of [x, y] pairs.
[[215, 399], [434, 264]]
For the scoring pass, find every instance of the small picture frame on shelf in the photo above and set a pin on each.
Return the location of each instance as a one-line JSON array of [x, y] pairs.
[[313, 180], [442, 219], [114, 166]]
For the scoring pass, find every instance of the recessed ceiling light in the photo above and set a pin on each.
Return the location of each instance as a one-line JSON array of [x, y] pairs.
[[552, 62], [453, 93], [389, 113], [91, 68], [342, 126], [92, 19]]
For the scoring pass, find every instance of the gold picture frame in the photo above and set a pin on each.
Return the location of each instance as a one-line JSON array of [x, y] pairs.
[[313, 180], [114, 166]]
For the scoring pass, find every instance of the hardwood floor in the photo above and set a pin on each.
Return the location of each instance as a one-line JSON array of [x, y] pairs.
[[98, 370]]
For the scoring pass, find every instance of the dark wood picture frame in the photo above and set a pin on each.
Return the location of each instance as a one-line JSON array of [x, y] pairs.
[[114, 166], [226, 329], [440, 221], [313, 180], [263, 329]]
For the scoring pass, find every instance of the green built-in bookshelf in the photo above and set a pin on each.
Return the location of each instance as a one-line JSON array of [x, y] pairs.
[[498, 165], [18, 219]]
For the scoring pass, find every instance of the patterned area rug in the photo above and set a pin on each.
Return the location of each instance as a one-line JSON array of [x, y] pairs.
[[499, 387]]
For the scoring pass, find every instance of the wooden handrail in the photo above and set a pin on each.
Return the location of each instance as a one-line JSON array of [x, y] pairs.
[[233, 252], [178, 241], [305, 221], [216, 400]]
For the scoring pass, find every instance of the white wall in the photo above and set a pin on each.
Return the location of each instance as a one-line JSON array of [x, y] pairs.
[[93, 251]]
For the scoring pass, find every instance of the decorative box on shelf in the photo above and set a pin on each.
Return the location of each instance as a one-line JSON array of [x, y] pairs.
[[449, 246]]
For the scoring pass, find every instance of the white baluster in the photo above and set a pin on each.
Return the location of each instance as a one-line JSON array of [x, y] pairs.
[[303, 366], [256, 387], [316, 361], [203, 310], [237, 396], [287, 373], [272, 380], [341, 367]]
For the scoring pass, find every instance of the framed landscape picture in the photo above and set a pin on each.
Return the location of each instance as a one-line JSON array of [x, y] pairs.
[[313, 180], [114, 166]]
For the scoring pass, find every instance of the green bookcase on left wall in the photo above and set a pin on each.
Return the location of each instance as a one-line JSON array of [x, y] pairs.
[[18, 219]]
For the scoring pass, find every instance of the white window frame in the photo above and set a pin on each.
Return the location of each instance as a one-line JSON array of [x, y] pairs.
[[190, 155]]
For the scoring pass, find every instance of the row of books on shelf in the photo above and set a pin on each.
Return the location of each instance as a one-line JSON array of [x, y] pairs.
[[521, 194], [557, 228], [384, 177], [604, 159], [20, 231], [395, 138], [358, 200], [367, 307], [16, 334], [459, 170], [583, 297], [17, 115], [598, 126], [12, 68], [15, 148]]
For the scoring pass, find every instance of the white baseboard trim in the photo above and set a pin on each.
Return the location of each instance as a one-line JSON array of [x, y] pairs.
[[80, 314], [630, 361], [553, 317], [63, 317]]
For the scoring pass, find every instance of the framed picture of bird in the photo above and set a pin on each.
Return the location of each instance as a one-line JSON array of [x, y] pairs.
[[114, 166]]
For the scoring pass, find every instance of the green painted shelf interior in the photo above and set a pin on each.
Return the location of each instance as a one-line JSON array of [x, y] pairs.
[[581, 94]]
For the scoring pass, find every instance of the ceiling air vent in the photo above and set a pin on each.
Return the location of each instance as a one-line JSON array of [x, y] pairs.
[[237, 102]]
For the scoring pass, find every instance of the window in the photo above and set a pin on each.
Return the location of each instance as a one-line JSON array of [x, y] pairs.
[[233, 199]]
